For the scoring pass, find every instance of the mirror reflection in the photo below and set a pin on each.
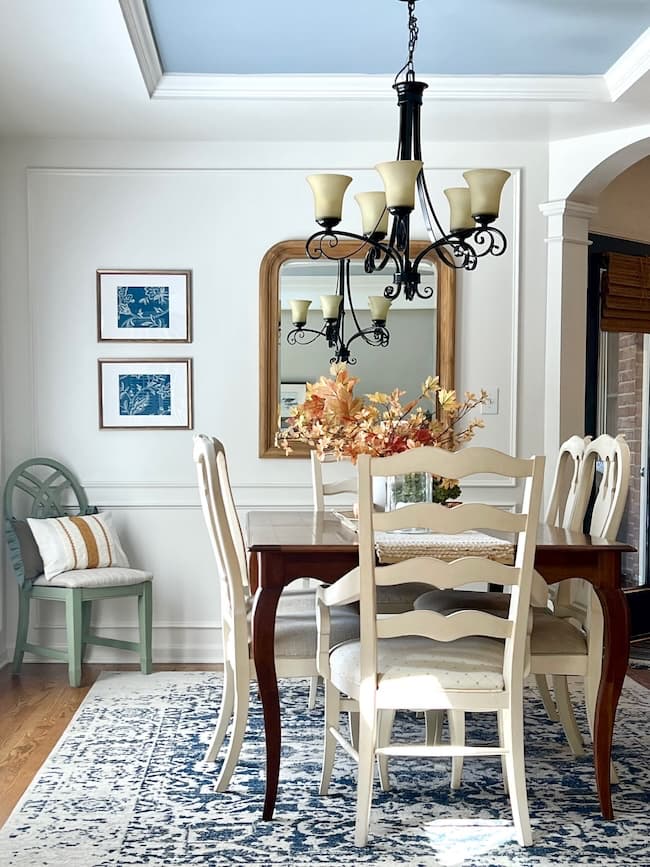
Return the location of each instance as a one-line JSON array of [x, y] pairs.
[[409, 324], [421, 333]]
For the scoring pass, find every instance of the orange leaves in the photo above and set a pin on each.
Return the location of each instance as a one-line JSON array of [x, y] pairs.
[[332, 419]]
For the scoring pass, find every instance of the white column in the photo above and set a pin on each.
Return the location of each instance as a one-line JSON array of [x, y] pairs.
[[566, 327]]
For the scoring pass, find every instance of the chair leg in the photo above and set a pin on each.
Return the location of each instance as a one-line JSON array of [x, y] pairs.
[[504, 769], [73, 620], [22, 631], [456, 719], [353, 727], [512, 726], [547, 698], [225, 713], [332, 721], [565, 711], [86, 612], [313, 689], [433, 720], [240, 718], [145, 619], [367, 743], [384, 730]]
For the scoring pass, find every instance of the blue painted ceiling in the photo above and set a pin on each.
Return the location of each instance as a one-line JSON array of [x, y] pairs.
[[472, 37]]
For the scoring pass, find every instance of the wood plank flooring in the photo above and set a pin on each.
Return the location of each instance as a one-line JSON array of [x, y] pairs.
[[36, 707]]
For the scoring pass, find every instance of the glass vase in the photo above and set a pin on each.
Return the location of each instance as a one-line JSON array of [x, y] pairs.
[[410, 488]]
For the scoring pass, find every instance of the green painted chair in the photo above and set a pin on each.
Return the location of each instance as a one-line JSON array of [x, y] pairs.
[[44, 488]]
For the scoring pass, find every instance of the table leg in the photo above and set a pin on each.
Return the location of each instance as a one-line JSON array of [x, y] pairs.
[[264, 609], [617, 649]]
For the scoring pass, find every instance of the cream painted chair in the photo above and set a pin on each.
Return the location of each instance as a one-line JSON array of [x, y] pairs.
[[295, 631], [422, 660], [322, 488], [567, 638]]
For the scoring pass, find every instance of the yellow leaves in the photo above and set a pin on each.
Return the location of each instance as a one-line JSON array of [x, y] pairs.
[[378, 397]]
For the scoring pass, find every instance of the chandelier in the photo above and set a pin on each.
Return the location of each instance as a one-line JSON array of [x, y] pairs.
[[473, 209]]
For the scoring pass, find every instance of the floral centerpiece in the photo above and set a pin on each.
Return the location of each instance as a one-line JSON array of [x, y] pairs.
[[333, 420]]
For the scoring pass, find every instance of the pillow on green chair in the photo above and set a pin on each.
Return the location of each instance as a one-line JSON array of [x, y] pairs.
[[77, 542], [31, 556]]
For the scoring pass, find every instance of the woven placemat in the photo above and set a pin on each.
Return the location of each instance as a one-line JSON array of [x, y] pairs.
[[393, 547]]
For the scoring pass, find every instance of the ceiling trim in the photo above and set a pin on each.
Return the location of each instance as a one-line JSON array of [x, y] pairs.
[[629, 67], [144, 44], [379, 87]]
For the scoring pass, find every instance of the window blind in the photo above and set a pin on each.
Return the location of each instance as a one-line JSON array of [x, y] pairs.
[[625, 294]]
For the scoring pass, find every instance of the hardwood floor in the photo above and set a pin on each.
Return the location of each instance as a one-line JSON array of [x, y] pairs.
[[36, 707]]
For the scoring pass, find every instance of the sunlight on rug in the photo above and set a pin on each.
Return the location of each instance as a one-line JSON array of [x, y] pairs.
[[127, 785]]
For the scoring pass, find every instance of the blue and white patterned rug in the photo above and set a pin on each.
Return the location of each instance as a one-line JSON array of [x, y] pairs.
[[126, 785]]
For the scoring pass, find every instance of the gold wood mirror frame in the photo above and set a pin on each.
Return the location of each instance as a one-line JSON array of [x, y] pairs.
[[285, 251]]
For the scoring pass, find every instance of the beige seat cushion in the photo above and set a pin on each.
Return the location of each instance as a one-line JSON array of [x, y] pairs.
[[413, 667], [109, 576], [553, 635], [549, 635], [295, 632]]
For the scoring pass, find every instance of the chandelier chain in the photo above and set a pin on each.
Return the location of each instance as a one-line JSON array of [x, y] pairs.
[[414, 32]]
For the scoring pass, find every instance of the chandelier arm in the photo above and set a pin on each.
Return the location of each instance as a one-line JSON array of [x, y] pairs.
[[353, 312], [315, 246], [294, 337], [489, 239], [380, 336]]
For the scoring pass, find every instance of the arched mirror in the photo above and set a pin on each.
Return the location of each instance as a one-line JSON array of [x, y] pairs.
[[422, 332]]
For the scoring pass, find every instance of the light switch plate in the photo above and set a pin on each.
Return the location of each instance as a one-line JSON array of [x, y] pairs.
[[492, 405]]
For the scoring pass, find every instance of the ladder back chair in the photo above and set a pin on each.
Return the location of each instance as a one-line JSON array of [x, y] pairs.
[[45, 488], [295, 628], [422, 660], [567, 638]]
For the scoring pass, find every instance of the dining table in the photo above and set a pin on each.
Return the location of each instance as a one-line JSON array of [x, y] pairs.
[[286, 545]]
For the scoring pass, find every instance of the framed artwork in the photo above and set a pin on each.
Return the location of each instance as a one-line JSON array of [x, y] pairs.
[[144, 306], [145, 393], [291, 394]]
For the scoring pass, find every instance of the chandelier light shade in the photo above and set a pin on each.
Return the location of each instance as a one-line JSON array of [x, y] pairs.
[[385, 216]]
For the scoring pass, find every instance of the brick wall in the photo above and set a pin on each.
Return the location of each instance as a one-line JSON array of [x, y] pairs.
[[628, 422]]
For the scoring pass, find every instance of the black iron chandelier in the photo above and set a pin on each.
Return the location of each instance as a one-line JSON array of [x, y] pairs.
[[473, 209]]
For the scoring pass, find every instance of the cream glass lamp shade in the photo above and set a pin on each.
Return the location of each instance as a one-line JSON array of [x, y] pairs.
[[328, 194], [460, 212], [330, 306], [374, 215], [299, 308], [399, 178], [379, 307], [485, 187]]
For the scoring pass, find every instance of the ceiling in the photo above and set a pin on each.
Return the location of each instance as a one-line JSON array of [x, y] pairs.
[[91, 70], [368, 37]]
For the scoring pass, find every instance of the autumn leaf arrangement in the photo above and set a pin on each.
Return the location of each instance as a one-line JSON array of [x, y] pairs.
[[333, 420]]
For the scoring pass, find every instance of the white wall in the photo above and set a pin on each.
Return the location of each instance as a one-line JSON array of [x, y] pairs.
[[69, 208]]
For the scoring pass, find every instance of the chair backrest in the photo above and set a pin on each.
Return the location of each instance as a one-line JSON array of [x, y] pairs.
[[321, 488], [446, 575], [225, 535], [562, 511], [610, 458], [38, 488]]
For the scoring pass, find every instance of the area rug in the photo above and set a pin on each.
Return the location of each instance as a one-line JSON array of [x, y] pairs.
[[127, 785]]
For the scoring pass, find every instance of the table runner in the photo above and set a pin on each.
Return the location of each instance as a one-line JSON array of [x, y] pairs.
[[393, 547]]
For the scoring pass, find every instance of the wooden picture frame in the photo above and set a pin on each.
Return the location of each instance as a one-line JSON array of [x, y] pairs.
[[144, 306], [145, 393]]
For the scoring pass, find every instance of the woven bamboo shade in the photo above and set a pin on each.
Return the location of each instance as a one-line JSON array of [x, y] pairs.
[[625, 294]]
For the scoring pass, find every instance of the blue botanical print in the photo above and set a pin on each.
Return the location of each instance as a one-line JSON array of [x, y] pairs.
[[143, 306], [145, 394]]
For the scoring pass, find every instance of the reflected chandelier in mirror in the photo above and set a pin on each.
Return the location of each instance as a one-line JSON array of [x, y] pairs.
[[422, 332]]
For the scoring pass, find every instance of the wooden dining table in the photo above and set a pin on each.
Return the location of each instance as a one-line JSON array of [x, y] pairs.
[[285, 545]]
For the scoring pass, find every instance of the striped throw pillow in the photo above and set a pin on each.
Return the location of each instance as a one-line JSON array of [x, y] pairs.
[[72, 543]]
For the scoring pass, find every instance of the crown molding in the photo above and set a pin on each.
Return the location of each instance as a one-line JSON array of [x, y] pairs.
[[630, 67], [144, 44], [379, 87]]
